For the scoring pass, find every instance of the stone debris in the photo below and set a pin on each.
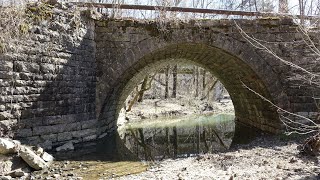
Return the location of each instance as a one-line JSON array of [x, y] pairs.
[[6, 146], [47, 157], [17, 159], [5, 177], [32, 159]]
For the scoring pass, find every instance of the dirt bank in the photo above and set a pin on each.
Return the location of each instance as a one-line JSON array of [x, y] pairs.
[[265, 158]]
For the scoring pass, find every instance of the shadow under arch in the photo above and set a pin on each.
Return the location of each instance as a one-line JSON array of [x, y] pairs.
[[232, 71]]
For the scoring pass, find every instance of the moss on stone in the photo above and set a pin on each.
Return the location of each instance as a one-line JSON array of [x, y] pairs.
[[39, 12]]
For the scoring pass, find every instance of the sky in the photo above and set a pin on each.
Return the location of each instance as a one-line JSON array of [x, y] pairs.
[[211, 4]]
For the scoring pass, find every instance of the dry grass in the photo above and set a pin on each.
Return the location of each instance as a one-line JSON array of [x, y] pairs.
[[16, 22]]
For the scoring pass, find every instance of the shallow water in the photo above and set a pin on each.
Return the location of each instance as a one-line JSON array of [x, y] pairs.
[[153, 139], [156, 139]]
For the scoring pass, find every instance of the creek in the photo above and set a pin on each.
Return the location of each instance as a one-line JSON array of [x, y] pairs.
[[174, 137], [138, 143]]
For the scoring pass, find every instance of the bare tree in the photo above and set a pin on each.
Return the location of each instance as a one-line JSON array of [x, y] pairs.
[[289, 119], [166, 93], [283, 6], [174, 83]]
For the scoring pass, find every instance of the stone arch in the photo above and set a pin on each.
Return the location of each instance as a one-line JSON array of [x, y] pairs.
[[231, 70]]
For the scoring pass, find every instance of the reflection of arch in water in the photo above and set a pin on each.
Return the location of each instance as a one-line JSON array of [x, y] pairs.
[[230, 70]]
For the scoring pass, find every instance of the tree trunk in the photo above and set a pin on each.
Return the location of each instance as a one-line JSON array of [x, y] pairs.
[[283, 6], [210, 89], [174, 84], [203, 82], [205, 140], [166, 94], [175, 142], [301, 9], [196, 70], [198, 138], [143, 87], [167, 142]]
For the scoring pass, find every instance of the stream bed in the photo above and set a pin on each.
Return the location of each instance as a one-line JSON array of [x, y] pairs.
[[137, 145]]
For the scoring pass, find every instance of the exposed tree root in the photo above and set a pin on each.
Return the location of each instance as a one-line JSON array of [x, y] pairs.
[[311, 146]]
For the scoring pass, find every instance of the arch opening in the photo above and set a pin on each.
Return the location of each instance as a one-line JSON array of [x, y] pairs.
[[232, 71], [178, 110]]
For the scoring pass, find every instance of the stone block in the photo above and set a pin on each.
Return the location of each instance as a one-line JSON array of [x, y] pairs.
[[6, 65], [89, 138], [6, 75], [49, 137], [20, 66], [5, 116], [24, 132], [83, 133], [47, 68], [59, 128], [64, 136]]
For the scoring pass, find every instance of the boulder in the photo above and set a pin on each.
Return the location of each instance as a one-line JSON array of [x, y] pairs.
[[6, 146], [33, 160]]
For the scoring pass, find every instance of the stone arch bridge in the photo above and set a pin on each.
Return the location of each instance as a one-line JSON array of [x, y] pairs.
[[128, 50], [74, 91]]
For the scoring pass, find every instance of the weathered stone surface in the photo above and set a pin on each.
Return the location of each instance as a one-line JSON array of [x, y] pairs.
[[5, 116], [46, 145], [65, 147], [33, 160], [47, 157], [20, 66], [5, 177], [67, 83], [6, 146], [5, 65]]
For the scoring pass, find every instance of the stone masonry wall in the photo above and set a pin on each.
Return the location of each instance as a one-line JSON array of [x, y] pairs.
[[47, 82], [67, 80], [125, 48]]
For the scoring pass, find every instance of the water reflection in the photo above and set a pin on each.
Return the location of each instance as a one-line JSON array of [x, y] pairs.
[[178, 137]]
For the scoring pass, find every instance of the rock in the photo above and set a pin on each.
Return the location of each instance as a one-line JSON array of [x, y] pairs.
[[56, 176], [47, 157], [38, 150], [5, 177], [16, 142], [52, 2], [6, 164], [65, 147], [18, 173], [6, 146], [5, 116], [33, 160], [12, 163]]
